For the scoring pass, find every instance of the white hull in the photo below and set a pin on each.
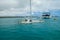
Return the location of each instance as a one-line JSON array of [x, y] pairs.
[[33, 21]]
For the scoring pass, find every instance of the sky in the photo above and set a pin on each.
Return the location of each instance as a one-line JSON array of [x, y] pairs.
[[21, 7]]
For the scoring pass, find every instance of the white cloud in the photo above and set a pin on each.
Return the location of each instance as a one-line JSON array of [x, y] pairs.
[[8, 3], [13, 7], [22, 7], [14, 12], [45, 4]]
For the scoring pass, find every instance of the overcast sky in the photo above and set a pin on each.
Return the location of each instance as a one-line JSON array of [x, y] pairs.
[[21, 7]]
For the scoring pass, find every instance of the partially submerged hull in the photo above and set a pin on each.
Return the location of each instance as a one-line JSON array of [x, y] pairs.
[[33, 21]]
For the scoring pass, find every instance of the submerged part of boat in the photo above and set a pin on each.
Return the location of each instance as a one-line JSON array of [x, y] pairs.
[[31, 21]]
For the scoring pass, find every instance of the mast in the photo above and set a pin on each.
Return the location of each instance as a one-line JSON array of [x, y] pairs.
[[30, 9]]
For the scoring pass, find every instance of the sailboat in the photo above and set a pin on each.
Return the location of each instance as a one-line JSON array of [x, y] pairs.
[[30, 20]]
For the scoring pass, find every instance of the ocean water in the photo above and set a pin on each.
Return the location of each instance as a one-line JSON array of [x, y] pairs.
[[11, 29]]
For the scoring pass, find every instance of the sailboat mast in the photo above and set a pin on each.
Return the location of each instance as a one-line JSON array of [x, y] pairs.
[[30, 9]]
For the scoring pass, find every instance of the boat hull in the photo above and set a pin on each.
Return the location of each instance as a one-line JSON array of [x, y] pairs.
[[33, 21]]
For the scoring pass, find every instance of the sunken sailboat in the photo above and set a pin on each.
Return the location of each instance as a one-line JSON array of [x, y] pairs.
[[30, 20]]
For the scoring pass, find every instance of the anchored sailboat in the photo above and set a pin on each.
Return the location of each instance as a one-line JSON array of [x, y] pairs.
[[30, 20]]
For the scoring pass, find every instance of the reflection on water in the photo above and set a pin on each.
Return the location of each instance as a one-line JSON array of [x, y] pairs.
[[10, 29]]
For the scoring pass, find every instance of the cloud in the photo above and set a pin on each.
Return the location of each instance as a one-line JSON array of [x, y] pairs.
[[13, 7], [45, 5], [6, 4], [22, 7]]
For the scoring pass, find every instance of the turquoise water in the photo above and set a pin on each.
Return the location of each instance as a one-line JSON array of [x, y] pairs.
[[10, 29]]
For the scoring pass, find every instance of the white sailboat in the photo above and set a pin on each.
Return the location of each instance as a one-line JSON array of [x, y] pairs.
[[30, 20]]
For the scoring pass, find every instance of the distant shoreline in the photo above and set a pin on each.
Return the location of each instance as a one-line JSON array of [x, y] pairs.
[[23, 16], [17, 16]]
